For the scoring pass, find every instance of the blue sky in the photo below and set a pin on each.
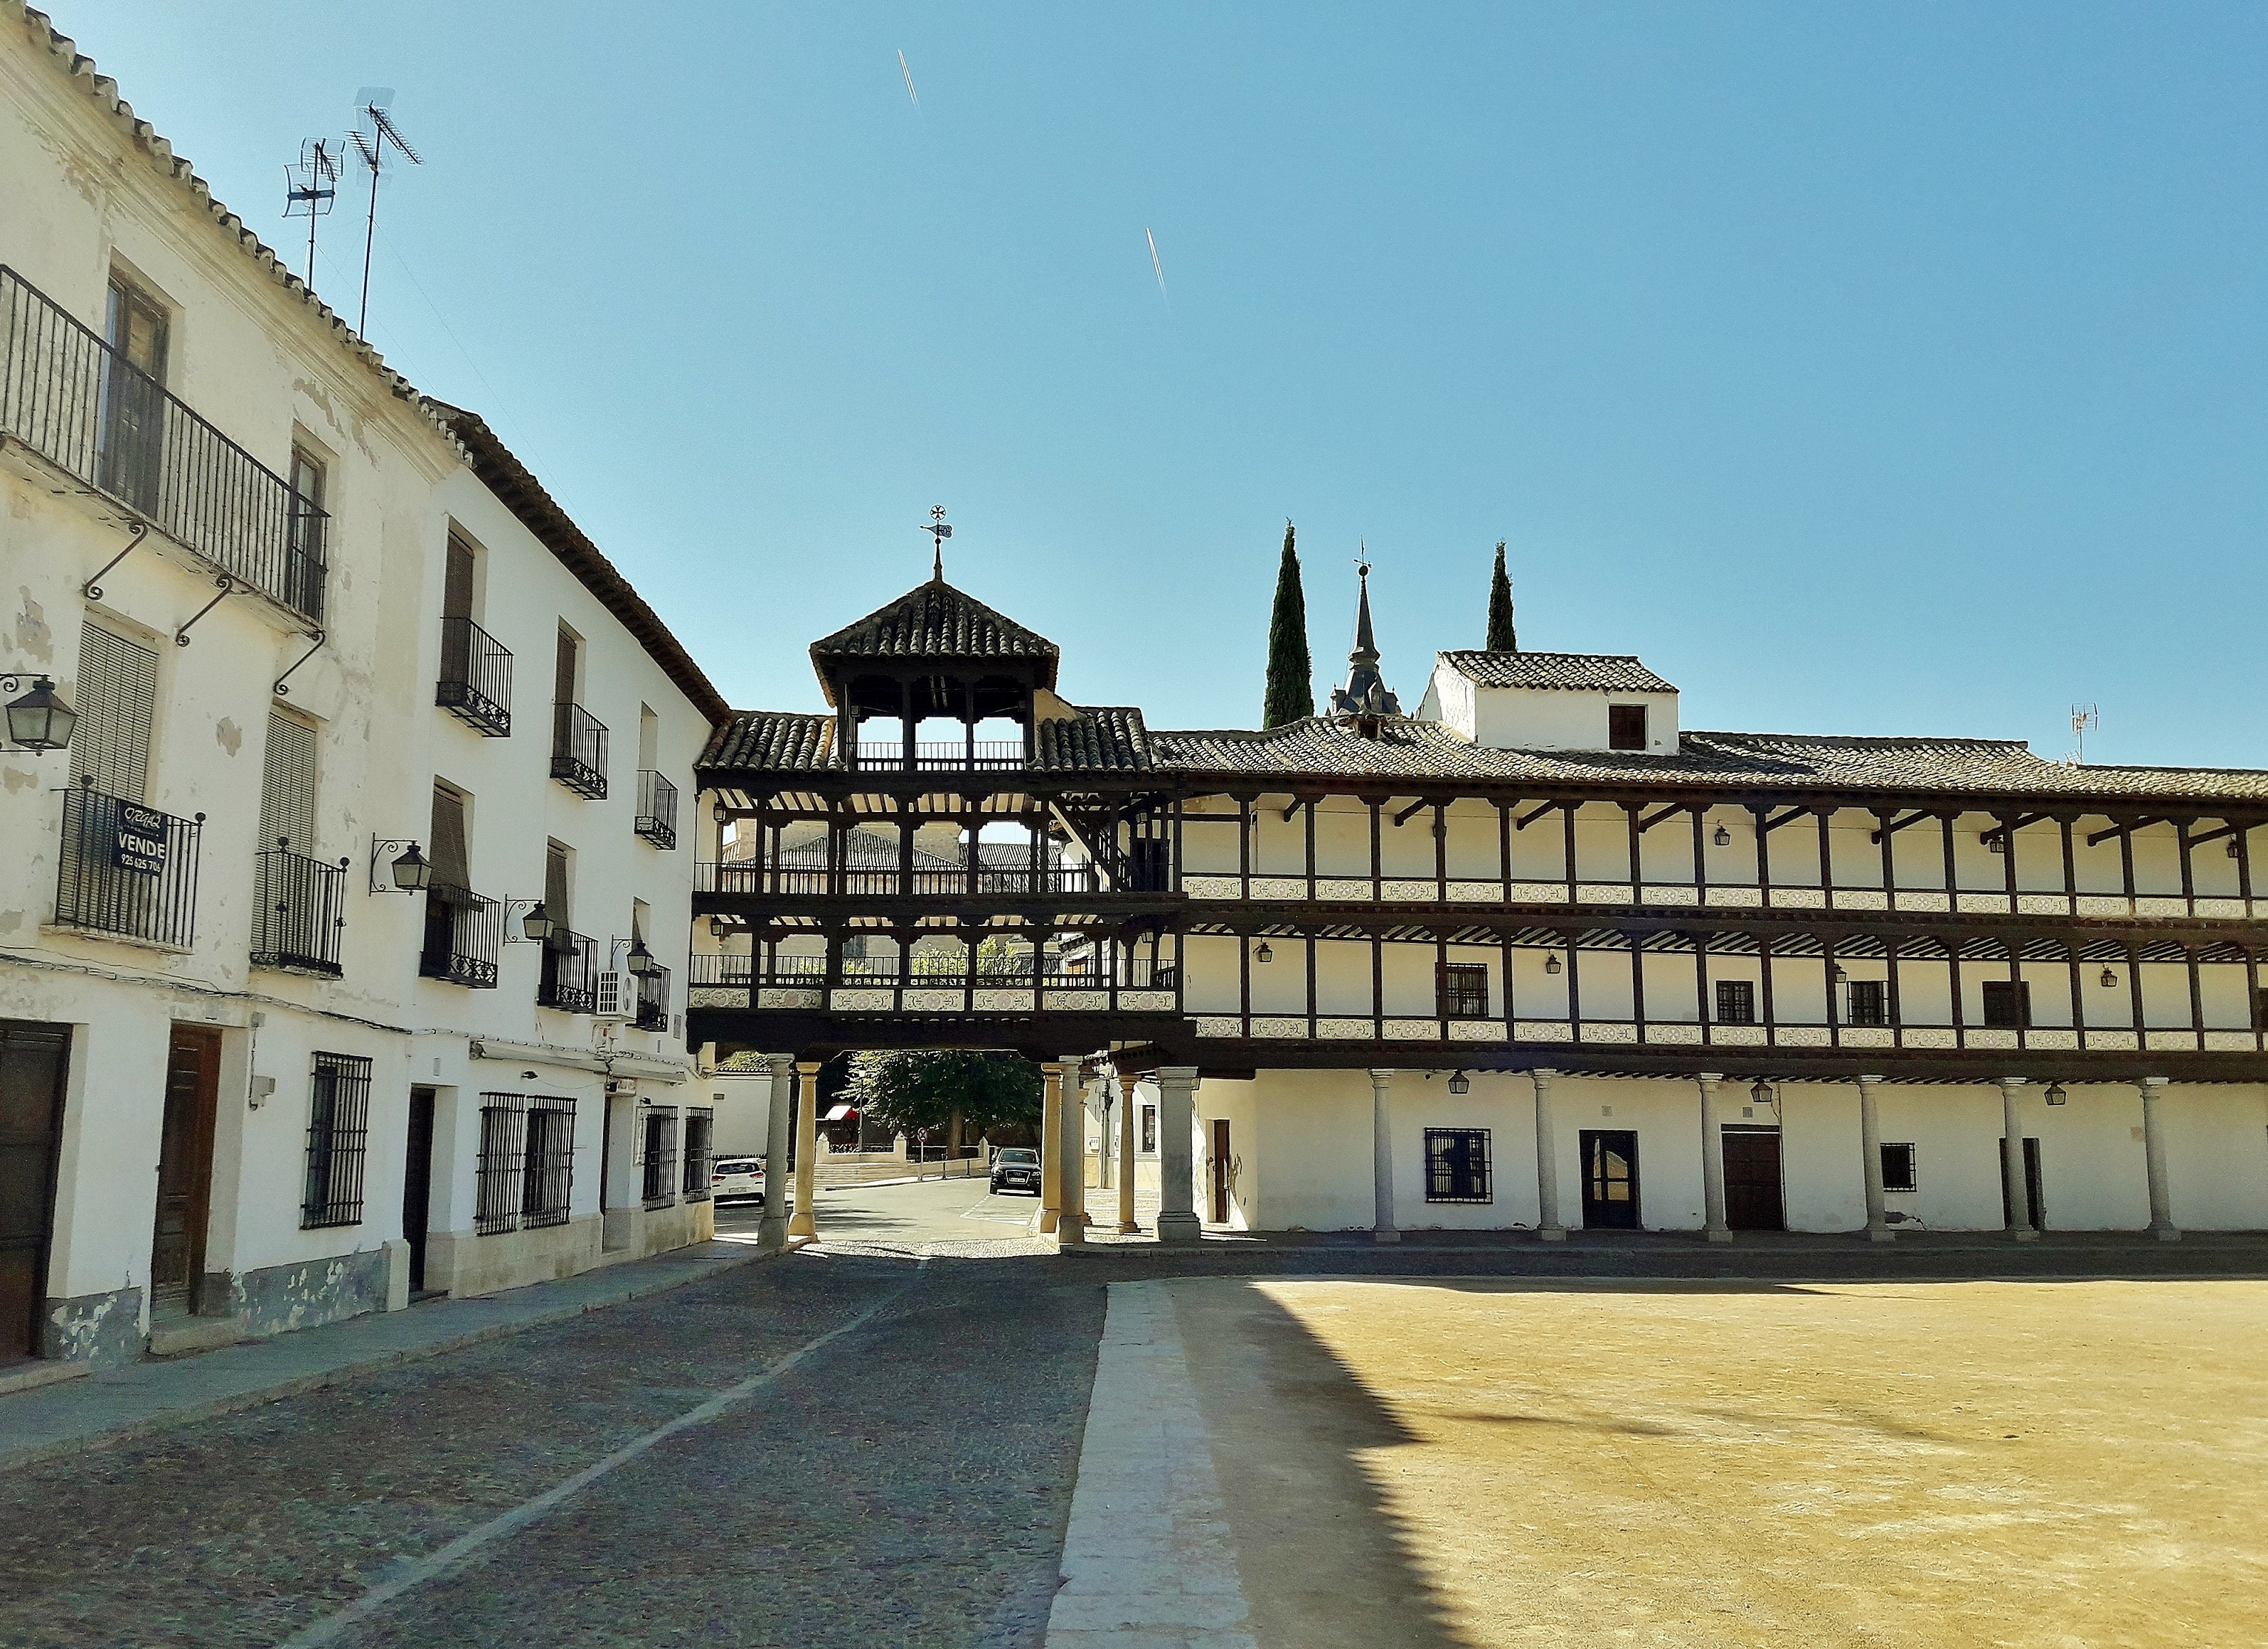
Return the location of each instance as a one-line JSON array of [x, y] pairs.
[[1888, 370]]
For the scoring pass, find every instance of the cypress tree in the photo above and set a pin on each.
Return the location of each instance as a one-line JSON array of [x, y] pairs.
[[1290, 672], [1500, 636]]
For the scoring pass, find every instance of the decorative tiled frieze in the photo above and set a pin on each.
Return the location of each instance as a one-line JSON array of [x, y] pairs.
[[1413, 1030], [1211, 886], [1670, 893], [1476, 892], [2110, 1042], [1931, 1037], [1798, 898], [1540, 1030], [1982, 904], [781, 997], [2102, 905], [1869, 1036], [2052, 1041], [1674, 1035], [1603, 893], [1539, 893], [1145, 1002], [1988, 1036], [1343, 1030], [1078, 1001], [1279, 887], [859, 1001], [2229, 1041], [2161, 907], [934, 1001], [1342, 887], [1737, 898], [2222, 909], [2042, 904], [2172, 1042], [1004, 1001], [1737, 1035], [1281, 1029], [716, 997], [1921, 899], [1609, 1033], [1476, 1030], [1800, 1036], [1220, 1027], [1861, 899], [1404, 890]]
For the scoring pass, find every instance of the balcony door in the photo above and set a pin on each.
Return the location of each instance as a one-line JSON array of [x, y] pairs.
[[185, 1151], [33, 1060], [134, 396]]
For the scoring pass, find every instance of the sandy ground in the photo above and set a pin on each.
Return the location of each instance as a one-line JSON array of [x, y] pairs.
[[1438, 1461]]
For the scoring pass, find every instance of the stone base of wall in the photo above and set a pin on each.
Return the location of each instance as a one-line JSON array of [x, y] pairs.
[[103, 1329], [281, 1298], [633, 1233], [465, 1262]]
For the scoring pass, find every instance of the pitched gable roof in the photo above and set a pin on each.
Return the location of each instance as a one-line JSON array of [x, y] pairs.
[[936, 620], [1593, 672]]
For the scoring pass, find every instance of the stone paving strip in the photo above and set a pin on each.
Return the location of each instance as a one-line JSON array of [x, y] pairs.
[[1147, 1560], [146, 1396]]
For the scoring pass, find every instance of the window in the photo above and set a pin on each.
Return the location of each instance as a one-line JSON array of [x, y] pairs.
[[338, 1131], [304, 576], [1869, 1002], [1465, 991], [117, 708], [700, 1133], [1736, 1002], [287, 786], [2007, 1003], [660, 1156], [504, 1120], [1457, 1164], [1898, 1169], [133, 415], [457, 579], [1150, 1127], [1625, 726], [548, 1179], [2260, 1009]]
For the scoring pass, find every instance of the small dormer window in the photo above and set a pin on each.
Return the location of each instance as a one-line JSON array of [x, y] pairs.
[[1625, 726]]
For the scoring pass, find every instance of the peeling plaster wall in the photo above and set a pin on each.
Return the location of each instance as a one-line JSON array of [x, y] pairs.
[[103, 1329], [281, 1298]]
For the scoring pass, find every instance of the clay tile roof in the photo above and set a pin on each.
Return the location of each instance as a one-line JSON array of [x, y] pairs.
[[1597, 671], [936, 620], [768, 740], [1110, 741]]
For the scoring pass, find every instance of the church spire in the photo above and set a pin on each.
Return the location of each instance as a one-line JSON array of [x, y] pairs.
[[1365, 696]]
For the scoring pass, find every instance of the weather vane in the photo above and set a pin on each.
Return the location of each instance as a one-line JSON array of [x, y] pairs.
[[938, 531]]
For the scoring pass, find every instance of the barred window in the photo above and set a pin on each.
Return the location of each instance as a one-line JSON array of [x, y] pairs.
[[1898, 1169], [504, 1119], [2007, 1003], [1457, 1165], [1869, 1002], [1465, 991], [1736, 1002], [338, 1133], [660, 1156], [548, 1179], [700, 1133]]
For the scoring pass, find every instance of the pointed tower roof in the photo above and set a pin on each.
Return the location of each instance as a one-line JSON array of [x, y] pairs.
[[936, 620], [1366, 692]]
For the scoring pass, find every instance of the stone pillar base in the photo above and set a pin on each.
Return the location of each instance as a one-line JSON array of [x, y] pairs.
[[1881, 1234], [771, 1232], [1720, 1235], [802, 1225], [1551, 1233], [1388, 1234], [2025, 1233], [1128, 1228], [1044, 1221], [1180, 1228], [1070, 1233], [2166, 1233]]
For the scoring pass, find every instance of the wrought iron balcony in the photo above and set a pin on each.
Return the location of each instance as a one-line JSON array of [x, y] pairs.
[[569, 979], [749, 876], [68, 396], [298, 911], [128, 870], [475, 684], [578, 750], [653, 1001], [464, 932], [657, 811]]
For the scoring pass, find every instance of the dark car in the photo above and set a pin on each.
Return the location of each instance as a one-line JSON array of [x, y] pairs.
[[1016, 1168]]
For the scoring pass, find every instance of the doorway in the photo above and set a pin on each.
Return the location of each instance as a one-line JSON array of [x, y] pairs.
[[2035, 1198], [1609, 1179], [1219, 1170], [1752, 1180], [417, 1184], [185, 1148], [34, 1060]]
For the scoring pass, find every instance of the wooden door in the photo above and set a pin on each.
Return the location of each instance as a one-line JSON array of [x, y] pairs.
[[1752, 1181], [177, 1251], [1609, 1179], [417, 1184], [133, 412], [1219, 1170], [33, 1062]]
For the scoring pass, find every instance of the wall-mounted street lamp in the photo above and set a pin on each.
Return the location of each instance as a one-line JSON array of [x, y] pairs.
[[411, 873], [641, 963], [1550, 962], [535, 927], [39, 720], [2055, 1095], [1262, 953], [2109, 979], [1460, 1083], [1762, 1093], [1841, 978], [1723, 838]]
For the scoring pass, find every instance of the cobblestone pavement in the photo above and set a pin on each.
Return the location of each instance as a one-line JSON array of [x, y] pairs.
[[906, 1483]]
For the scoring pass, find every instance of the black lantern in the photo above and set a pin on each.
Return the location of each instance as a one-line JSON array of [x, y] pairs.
[[1550, 962], [1723, 838], [1264, 954], [537, 924], [2055, 1094], [642, 962], [1761, 1093], [1460, 1083], [2109, 979], [411, 873], [39, 720]]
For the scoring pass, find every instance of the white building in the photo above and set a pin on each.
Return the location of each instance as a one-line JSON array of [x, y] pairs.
[[307, 617]]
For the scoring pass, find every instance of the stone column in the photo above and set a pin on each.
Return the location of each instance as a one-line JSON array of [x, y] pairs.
[[1547, 1162], [2153, 1157], [1870, 1152], [2012, 1162], [1713, 1161], [806, 1223], [1382, 1160], [771, 1229], [1177, 1099], [1129, 1108], [1044, 1216], [1071, 1172]]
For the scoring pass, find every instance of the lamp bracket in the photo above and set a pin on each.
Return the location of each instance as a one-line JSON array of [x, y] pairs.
[[282, 691], [227, 585], [384, 851], [513, 909], [93, 591]]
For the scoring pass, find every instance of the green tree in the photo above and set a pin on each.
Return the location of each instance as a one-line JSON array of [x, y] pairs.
[[1290, 672], [910, 1089], [1500, 636]]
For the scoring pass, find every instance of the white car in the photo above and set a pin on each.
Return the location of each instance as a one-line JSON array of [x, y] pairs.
[[737, 1180]]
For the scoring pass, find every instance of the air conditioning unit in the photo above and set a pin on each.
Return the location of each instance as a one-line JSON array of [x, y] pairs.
[[617, 996]]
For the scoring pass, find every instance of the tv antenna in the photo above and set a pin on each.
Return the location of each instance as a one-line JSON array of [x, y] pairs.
[[2083, 716], [939, 531], [373, 128], [310, 188]]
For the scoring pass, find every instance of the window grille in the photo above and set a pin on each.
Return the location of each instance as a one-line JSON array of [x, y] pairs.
[[1869, 1002], [660, 1156], [548, 1181], [700, 1137], [1149, 1128], [1457, 1165], [503, 1122], [338, 1133], [1898, 1173], [1465, 991], [1736, 1002], [2007, 1004]]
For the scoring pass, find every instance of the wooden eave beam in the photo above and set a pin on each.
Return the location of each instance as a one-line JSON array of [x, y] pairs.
[[1892, 829], [2101, 836], [1548, 807], [1412, 810], [2009, 829], [1765, 826], [1670, 812]]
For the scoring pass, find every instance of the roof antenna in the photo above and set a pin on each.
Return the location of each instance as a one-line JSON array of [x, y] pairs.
[[373, 126], [2083, 718], [939, 531], [311, 187]]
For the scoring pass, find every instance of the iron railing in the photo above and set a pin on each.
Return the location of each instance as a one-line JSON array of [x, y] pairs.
[[475, 684], [653, 1001], [985, 756], [700, 1140], [498, 1179], [749, 876], [546, 1182], [338, 1137], [657, 811], [298, 911], [578, 750], [568, 977], [926, 973], [464, 933], [127, 869], [69, 397]]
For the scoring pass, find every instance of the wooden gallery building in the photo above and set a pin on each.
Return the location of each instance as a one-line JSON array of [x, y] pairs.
[[1532, 956]]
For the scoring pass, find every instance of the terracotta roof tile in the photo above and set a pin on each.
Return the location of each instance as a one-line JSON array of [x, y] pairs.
[[936, 620], [1598, 672]]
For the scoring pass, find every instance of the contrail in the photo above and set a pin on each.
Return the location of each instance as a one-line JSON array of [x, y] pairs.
[[1155, 265], [909, 74]]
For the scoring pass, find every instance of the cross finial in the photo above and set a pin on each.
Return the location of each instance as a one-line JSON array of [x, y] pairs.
[[939, 531]]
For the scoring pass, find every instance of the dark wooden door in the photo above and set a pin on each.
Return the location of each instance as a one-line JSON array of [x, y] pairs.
[[1609, 1179], [33, 1060], [177, 1251], [417, 1183], [1752, 1191], [134, 398], [1219, 1170]]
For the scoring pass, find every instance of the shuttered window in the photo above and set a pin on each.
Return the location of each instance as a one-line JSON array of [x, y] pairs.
[[456, 584], [117, 705], [287, 788], [452, 862], [555, 885], [562, 672]]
